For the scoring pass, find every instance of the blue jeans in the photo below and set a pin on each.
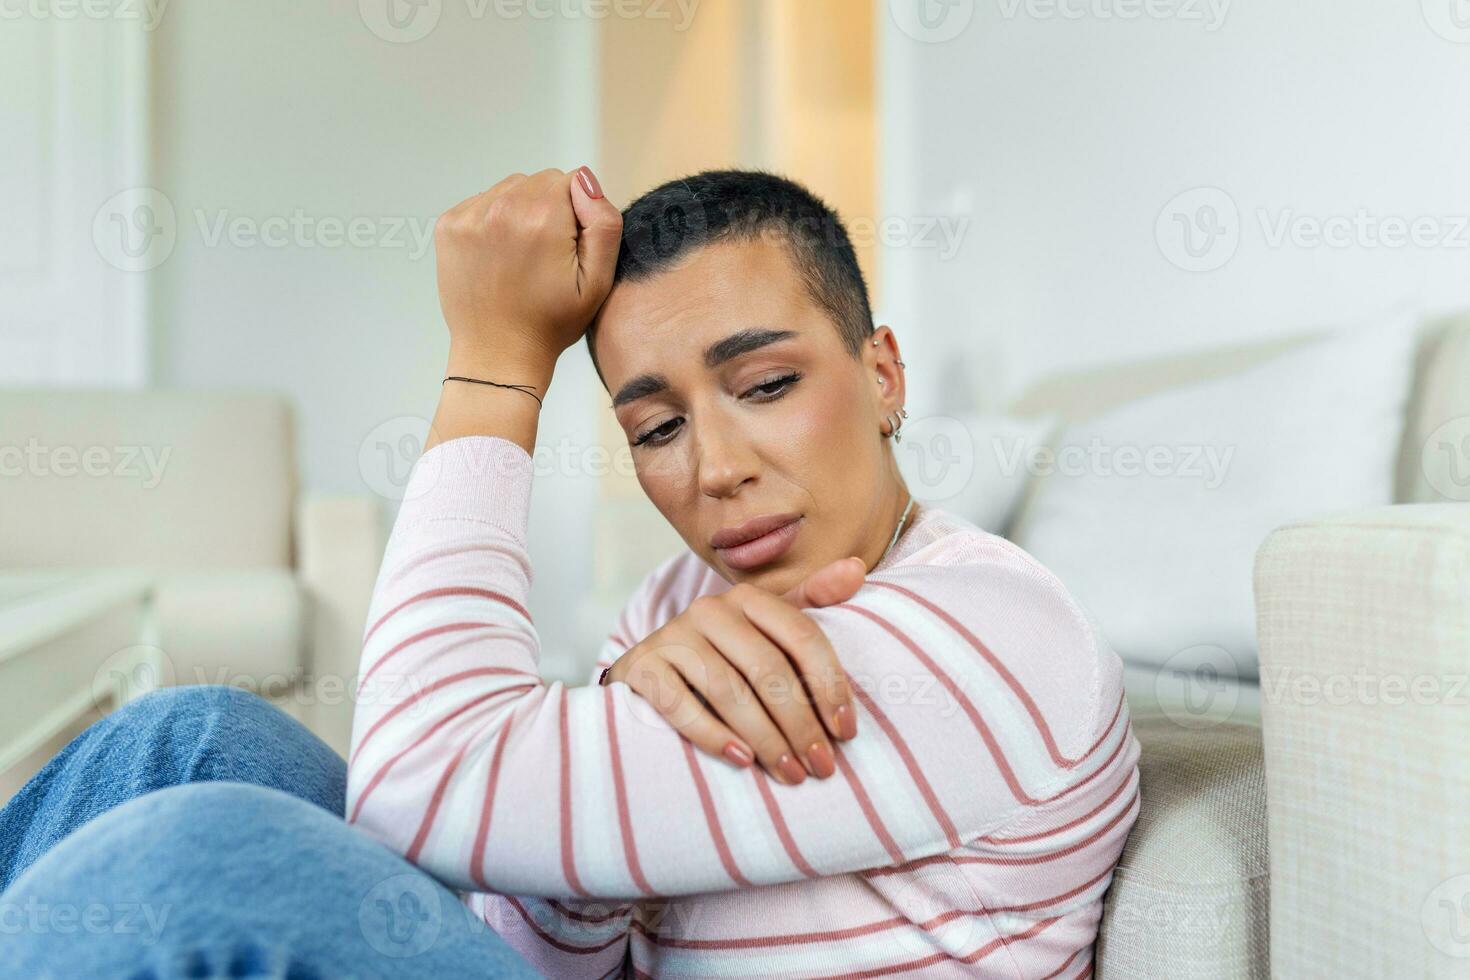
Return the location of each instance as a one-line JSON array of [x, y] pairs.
[[198, 832]]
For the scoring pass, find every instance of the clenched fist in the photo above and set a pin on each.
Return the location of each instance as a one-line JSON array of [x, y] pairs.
[[523, 268]]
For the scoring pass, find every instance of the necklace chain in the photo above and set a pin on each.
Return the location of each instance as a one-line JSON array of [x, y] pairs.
[[897, 530]]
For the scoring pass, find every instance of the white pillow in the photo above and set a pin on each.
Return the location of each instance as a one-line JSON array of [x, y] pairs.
[[973, 465], [1162, 559]]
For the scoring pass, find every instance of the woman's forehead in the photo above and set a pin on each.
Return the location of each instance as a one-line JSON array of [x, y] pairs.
[[713, 292]]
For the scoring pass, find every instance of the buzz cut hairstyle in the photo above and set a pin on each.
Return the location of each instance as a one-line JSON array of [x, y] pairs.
[[664, 226]]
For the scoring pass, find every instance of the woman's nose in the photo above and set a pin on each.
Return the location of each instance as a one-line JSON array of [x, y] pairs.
[[726, 459]]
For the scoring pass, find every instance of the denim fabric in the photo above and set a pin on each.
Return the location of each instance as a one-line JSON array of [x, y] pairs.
[[197, 832]]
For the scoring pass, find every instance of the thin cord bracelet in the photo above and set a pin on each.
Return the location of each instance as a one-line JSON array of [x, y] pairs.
[[476, 381]]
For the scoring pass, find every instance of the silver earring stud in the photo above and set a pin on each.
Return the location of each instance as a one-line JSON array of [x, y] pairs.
[[900, 362]]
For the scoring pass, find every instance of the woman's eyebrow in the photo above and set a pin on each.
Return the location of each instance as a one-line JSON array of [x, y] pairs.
[[742, 342], [722, 350]]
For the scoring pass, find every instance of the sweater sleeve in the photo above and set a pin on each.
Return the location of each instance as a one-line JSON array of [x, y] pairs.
[[978, 690]]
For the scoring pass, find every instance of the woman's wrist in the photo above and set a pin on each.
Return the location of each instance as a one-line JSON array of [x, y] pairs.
[[469, 409], [505, 366]]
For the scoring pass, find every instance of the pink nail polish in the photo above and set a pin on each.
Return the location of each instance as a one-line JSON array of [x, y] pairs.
[[846, 722], [791, 769], [821, 761], [589, 182], [738, 754]]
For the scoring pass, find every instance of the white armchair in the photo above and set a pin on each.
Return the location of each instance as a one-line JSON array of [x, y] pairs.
[[1365, 670], [250, 582]]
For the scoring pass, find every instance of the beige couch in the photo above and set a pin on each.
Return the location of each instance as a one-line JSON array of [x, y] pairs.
[[252, 583], [1331, 837]]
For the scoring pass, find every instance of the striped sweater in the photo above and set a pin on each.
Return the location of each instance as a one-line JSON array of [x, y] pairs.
[[971, 829]]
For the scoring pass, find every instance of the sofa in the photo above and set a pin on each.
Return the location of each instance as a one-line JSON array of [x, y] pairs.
[[1308, 835], [251, 582]]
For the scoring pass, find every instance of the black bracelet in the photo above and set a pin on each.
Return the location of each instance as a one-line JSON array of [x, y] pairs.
[[476, 381]]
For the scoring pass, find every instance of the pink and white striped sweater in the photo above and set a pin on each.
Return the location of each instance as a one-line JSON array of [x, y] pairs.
[[971, 829]]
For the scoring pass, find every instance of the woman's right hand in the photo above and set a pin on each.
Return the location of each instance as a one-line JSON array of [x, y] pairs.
[[732, 674]]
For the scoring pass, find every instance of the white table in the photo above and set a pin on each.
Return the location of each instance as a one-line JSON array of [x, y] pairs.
[[70, 640]]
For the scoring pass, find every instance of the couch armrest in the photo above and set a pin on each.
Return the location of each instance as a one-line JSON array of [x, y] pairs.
[[1364, 629], [339, 546]]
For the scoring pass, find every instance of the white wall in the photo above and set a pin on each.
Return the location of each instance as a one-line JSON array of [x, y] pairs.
[[267, 110], [75, 227], [1062, 138]]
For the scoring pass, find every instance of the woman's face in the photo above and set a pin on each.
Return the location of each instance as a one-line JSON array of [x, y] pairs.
[[744, 412]]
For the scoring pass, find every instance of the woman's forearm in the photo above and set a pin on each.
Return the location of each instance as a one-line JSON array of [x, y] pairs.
[[467, 763]]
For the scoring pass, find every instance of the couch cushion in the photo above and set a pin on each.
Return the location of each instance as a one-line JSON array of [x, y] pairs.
[[1154, 509], [171, 479], [1191, 894], [241, 627]]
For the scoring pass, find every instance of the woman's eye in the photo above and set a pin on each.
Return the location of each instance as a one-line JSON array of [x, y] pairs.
[[773, 389], [659, 434]]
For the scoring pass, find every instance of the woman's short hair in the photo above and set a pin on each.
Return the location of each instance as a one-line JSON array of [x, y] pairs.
[[667, 224]]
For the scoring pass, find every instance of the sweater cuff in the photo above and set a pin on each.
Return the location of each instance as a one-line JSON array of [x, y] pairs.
[[474, 478]]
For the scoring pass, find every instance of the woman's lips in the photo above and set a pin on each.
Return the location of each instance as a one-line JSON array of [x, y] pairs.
[[766, 548]]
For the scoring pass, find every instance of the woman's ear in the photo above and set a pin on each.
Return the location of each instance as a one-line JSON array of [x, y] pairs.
[[886, 368]]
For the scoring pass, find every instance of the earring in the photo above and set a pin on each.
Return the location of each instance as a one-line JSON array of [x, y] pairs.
[[895, 423]]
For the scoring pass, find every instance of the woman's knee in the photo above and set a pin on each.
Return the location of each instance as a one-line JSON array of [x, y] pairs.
[[208, 732], [212, 874]]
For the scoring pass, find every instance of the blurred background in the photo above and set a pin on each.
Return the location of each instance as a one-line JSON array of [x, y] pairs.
[[219, 329]]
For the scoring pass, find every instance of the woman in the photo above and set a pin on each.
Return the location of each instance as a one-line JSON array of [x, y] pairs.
[[841, 735]]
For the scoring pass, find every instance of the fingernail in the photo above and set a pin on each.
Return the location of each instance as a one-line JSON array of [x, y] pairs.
[[738, 754], [791, 769], [846, 722], [820, 758], [589, 182]]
